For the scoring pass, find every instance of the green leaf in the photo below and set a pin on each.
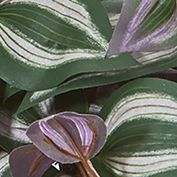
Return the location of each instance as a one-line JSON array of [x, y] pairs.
[[4, 164], [113, 8], [43, 39], [97, 79], [141, 120], [113, 5], [102, 169], [12, 131], [71, 74], [51, 172], [10, 91], [6, 91], [77, 103]]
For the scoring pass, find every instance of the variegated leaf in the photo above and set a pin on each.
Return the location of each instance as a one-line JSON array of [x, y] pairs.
[[12, 131], [141, 119], [4, 164], [77, 103], [125, 66], [39, 111], [36, 78], [113, 8], [40, 39], [97, 79], [68, 137], [148, 28]]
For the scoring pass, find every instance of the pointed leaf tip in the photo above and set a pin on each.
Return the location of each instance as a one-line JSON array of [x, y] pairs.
[[68, 137], [145, 26]]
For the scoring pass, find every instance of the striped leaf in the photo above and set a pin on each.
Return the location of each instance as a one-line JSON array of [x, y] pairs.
[[113, 8], [148, 28], [4, 164], [25, 18], [141, 119], [98, 79], [41, 39], [125, 66], [12, 132], [77, 103]]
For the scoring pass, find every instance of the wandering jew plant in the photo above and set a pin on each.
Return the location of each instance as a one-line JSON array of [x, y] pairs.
[[65, 138], [141, 28], [57, 116]]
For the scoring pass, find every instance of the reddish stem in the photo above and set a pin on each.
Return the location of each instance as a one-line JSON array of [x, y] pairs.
[[89, 169]]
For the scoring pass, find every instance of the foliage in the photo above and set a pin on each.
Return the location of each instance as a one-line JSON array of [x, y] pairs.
[[72, 69]]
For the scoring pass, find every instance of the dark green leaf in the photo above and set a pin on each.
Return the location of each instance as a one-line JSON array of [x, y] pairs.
[[98, 79]]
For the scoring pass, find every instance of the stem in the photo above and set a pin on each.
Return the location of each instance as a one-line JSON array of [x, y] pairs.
[[89, 169]]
